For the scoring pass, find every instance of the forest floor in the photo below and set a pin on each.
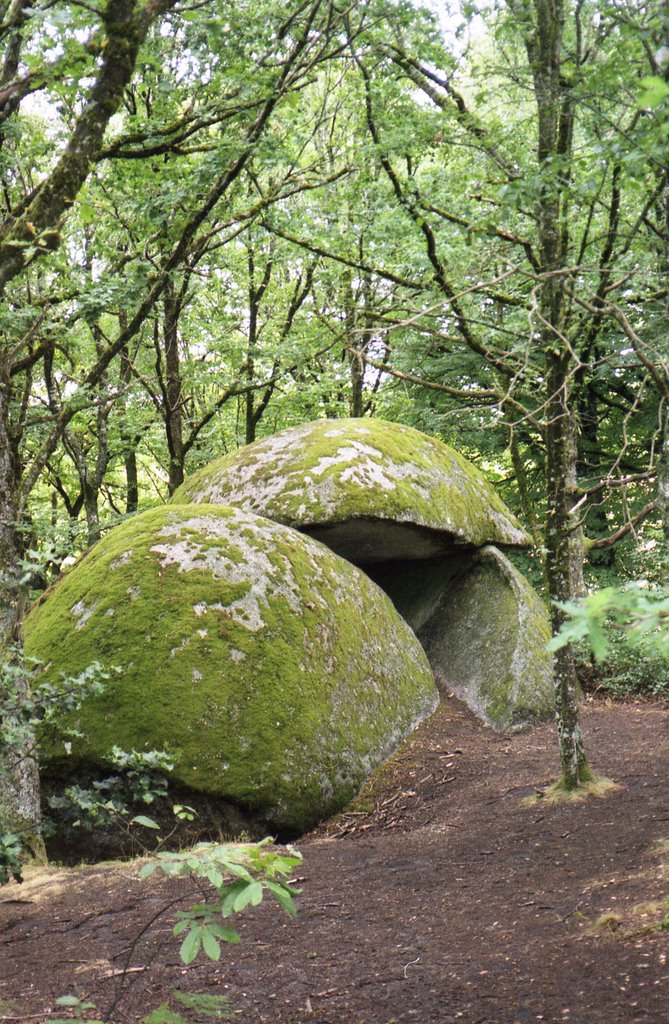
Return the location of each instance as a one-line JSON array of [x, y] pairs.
[[449, 900]]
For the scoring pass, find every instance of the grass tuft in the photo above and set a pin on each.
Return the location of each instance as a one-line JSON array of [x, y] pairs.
[[597, 786]]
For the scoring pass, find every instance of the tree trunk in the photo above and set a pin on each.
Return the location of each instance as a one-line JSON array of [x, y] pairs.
[[355, 347], [131, 482], [91, 510], [663, 467], [356, 364], [90, 480], [255, 295], [564, 561], [249, 407], [129, 438], [173, 391], [526, 503], [564, 545], [19, 773]]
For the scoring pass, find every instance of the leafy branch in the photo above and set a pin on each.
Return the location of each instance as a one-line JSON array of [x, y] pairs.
[[240, 876]]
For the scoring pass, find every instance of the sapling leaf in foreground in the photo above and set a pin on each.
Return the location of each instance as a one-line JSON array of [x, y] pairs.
[[240, 874]]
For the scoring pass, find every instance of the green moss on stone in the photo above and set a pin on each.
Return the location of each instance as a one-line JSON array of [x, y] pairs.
[[331, 471], [278, 672], [485, 637]]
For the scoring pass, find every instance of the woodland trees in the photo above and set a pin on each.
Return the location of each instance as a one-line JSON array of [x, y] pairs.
[[220, 219], [571, 226], [194, 91]]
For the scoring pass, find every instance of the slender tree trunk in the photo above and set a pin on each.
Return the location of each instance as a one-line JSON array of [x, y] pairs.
[[355, 349], [131, 482], [173, 390], [129, 438], [256, 292], [91, 471], [249, 398], [91, 510], [526, 503], [663, 467], [90, 479], [249, 406], [357, 370]]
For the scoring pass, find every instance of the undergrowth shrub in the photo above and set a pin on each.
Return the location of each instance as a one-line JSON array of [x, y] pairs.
[[624, 673], [136, 779], [622, 637]]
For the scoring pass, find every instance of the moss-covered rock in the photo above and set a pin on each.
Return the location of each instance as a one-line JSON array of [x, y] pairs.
[[369, 489], [484, 630], [278, 673]]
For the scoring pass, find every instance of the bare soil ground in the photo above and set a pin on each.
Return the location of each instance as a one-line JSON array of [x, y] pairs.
[[444, 899]]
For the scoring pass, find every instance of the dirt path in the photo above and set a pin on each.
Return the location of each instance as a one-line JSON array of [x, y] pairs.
[[450, 901]]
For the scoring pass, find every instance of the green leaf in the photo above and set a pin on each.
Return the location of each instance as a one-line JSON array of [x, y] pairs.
[[598, 641], [232, 891], [225, 934], [655, 92], [141, 819], [283, 896], [215, 877], [237, 869], [211, 945], [190, 947], [250, 894], [86, 212]]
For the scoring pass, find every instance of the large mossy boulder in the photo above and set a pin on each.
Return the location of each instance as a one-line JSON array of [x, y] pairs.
[[484, 630], [369, 489], [278, 673], [423, 522]]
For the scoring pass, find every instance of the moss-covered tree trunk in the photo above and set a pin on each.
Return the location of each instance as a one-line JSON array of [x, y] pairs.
[[544, 24], [564, 560], [19, 774]]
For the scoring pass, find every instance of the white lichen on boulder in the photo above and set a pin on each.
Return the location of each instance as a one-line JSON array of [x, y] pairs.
[[333, 472], [277, 673]]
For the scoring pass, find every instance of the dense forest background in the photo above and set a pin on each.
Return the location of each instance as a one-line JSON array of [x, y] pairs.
[[221, 219]]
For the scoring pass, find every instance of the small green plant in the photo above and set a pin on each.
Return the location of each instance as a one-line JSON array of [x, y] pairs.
[[139, 779], [23, 708], [11, 855], [240, 874], [196, 1006], [79, 1008], [197, 1003]]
